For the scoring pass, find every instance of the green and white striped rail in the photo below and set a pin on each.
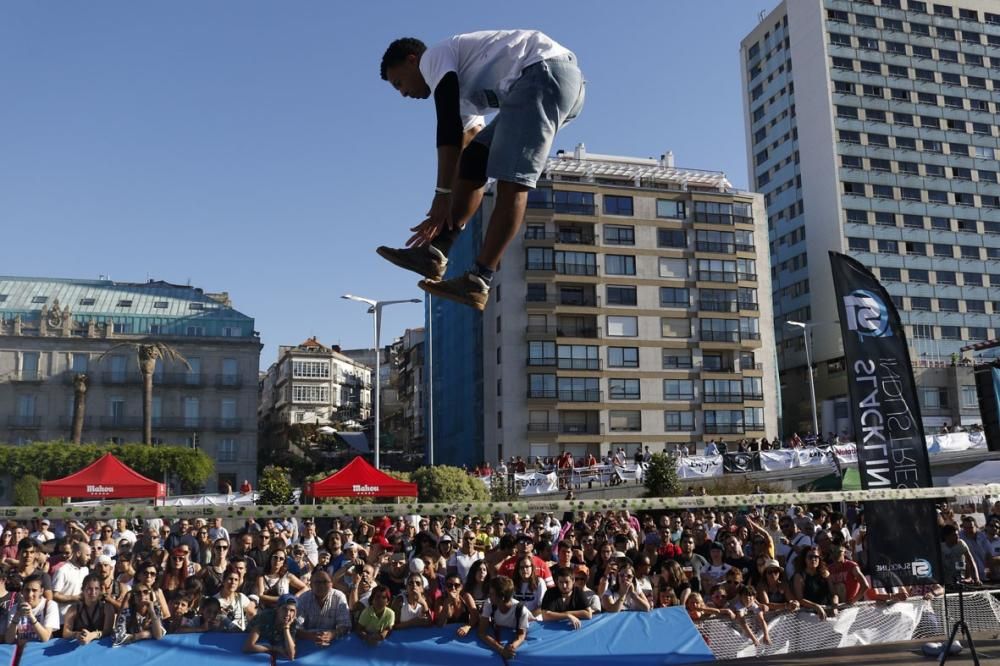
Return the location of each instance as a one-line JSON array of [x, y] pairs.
[[639, 504]]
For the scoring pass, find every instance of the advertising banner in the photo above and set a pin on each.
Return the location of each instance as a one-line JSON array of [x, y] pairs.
[[699, 467], [536, 483], [738, 463], [902, 540]]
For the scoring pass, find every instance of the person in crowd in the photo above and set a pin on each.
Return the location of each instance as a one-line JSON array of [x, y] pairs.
[[691, 562], [32, 617], [564, 601], [665, 598], [717, 568], [460, 562], [773, 590], [525, 546], [975, 540], [68, 582], [456, 606], [794, 543], [298, 563], [140, 619], [215, 569], [147, 574], [991, 543], [27, 564], [272, 631], [411, 608], [671, 576], [477, 584], [956, 558], [182, 619], [360, 594], [276, 579], [236, 607], [8, 547], [623, 594], [92, 617], [502, 612], [746, 607], [176, 571], [698, 610], [376, 621], [323, 613], [849, 583], [812, 586], [112, 589]]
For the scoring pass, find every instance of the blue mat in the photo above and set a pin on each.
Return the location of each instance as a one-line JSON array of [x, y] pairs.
[[6, 655], [664, 636]]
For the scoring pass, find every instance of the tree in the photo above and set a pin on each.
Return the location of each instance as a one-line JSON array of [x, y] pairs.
[[79, 406], [25, 491], [442, 483], [148, 352], [274, 486], [660, 478]]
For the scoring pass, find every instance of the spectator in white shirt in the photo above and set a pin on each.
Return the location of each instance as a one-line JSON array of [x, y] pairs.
[[67, 585], [217, 531], [42, 534], [324, 615], [123, 532]]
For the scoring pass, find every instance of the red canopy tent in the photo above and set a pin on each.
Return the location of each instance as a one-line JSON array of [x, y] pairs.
[[105, 478], [359, 479]]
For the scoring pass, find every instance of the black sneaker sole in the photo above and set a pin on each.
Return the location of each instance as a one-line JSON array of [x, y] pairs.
[[432, 288], [387, 254]]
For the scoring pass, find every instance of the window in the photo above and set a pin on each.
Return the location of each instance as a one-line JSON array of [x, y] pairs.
[[858, 244], [883, 191], [310, 393], [623, 389], [946, 277], [674, 268], [567, 201], [624, 421], [671, 238], [623, 327], [619, 235], [979, 332], [879, 140], [623, 357], [579, 389], [578, 357], [888, 274], [678, 389], [934, 170], [906, 143], [923, 331], [536, 292], [942, 223], [617, 205], [674, 297], [969, 252], [948, 305], [847, 112], [975, 305], [621, 295], [722, 390], [541, 352], [619, 264], [310, 369], [677, 359], [972, 279], [970, 399], [919, 276], [196, 331], [850, 161], [753, 388], [857, 216], [678, 421], [921, 303], [885, 219], [125, 328], [673, 327], [575, 263], [39, 299], [888, 247], [934, 398], [724, 421], [196, 306], [720, 330], [849, 137], [840, 39], [915, 247]]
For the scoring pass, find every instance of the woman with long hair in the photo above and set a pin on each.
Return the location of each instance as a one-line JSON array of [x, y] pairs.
[[147, 573], [605, 556], [773, 590], [411, 607], [212, 573], [233, 604], [93, 616], [622, 594], [812, 585], [204, 547], [276, 580], [477, 584], [8, 545], [140, 618], [175, 573], [529, 588], [672, 577], [456, 607]]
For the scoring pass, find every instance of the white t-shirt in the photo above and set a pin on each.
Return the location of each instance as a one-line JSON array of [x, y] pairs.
[[68, 580], [514, 618], [800, 539], [463, 562], [487, 64]]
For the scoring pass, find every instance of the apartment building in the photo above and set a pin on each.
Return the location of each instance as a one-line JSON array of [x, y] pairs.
[[625, 315], [871, 129], [52, 329], [314, 383]]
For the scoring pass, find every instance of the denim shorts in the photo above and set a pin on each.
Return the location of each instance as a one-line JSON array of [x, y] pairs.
[[544, 98]]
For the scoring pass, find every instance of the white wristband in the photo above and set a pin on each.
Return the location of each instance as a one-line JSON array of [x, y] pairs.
[[442, 190]]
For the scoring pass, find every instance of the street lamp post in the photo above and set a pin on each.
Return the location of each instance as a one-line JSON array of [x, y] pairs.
[[375, 309], [430, 380], [812, 386]]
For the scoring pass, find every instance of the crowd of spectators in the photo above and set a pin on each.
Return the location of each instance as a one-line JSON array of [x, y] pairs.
[[283, 581]]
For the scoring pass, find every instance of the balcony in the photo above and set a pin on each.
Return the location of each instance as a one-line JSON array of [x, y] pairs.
[[547, 266], [723, 397], [716, 276], [24, 422], [563, 331], [26, 376], [578, 300], [192, 379], [579, 364], [753, 396], [749, 335], [719, 368], [229, 381], [227, 425], [580, 429], [720, 248], [720, 336], [747, 277], [541, 361], [742, 247], [180, 423], [67, 422], [565, 395], [121, 378], [718, 306], [724, 429], [748, 305], [543, 428], [539, 331], [121, 422], [568, 208], [575, 269]]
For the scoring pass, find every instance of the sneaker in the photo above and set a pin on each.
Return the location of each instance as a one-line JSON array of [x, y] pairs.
[[426, 260], [468, 289]]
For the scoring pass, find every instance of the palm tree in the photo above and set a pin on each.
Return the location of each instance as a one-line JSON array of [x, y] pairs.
[[79, 405], [148, 352]]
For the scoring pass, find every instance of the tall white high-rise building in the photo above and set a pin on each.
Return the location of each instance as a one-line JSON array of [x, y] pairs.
[[872, 130]]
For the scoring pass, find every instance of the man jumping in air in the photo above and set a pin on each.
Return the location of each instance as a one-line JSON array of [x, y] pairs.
[[535, 87]]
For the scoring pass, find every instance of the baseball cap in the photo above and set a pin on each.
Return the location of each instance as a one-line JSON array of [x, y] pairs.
[[581, 569], [771, 564], [350, 544], [45, 521], [445, 539], [287, 599], [104, 559]]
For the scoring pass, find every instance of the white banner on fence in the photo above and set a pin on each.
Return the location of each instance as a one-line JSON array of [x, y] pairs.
[[812, 456], [775, 461], [847, 454], [699, 467], [536, 483]]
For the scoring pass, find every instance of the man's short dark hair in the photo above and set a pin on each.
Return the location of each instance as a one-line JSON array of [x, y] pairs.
[[398, 52], [947, 531], [503, 587], [559, 572]]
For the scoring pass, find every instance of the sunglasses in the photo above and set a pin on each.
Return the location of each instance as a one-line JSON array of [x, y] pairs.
[[455, 586], [222, 548]]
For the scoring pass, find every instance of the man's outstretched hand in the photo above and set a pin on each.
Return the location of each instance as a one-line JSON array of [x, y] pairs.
[[438, 218]]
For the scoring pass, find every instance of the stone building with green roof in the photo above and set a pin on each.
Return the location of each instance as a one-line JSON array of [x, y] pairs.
[[51, 329]]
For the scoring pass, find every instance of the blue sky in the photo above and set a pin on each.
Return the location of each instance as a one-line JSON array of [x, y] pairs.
[[251, 147]]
